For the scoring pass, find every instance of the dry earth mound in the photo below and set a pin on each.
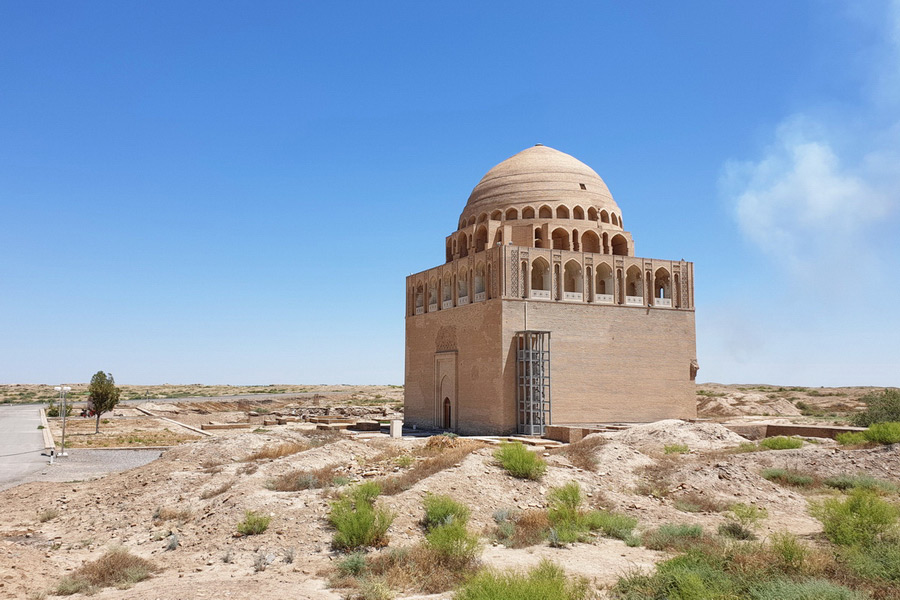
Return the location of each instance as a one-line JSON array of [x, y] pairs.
[[696, 436]]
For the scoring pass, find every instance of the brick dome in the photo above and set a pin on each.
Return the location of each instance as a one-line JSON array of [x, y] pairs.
[[537, 176]]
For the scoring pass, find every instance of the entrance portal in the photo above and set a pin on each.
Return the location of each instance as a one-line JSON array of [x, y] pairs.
[[448, 422]]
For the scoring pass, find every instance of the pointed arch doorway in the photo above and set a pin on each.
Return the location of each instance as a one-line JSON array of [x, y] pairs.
[[446, 409]]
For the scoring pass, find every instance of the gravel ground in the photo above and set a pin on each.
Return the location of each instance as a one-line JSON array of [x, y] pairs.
[[84, 464]]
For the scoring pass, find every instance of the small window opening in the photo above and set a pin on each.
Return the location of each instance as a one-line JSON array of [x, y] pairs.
[[584, 187]]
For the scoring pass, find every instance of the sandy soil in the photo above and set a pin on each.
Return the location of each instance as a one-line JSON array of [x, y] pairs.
[[358, 394], [119, 508]]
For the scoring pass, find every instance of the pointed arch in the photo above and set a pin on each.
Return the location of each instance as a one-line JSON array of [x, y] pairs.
[[573, 281], [634, 286], [592, 214], [560, 238], [481, 238], [578, 213], [527, 213], [512, 214], [590, 242], [604, 216], [540, 276], [604, 287], [496, 215], [562, 212], [614, 219], [620, 245], [545, 212], [463, 245]]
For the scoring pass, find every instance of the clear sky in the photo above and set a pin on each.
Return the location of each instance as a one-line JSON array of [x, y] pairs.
[[234, 192]]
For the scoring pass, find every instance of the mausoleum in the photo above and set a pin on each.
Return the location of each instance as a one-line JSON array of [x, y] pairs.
[[542, 313]]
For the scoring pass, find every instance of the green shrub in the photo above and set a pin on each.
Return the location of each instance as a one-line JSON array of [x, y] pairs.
[[811, 589], [254, 523], [53, 410], [881, 407], [453, 542], [851, 438], [883, 433], [789, 477], [358, 523], [781, 443], [519, 461], [352, 565], [861, 518], [443, 510], [735, 531], [790, 555], [880, 560], [673, 536], [748, 515], [611, 524], [544, 582], [676, 449], [861, 481]]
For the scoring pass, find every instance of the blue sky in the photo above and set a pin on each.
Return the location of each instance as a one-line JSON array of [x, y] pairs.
[[233, 192]]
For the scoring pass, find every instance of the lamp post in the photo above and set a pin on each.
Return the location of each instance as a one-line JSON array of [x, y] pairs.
[[62, 389]]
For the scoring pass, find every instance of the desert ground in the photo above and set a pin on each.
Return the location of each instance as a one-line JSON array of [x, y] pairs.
[[182, 510]]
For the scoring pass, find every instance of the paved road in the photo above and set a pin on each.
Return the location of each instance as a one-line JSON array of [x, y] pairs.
[[21, 443]]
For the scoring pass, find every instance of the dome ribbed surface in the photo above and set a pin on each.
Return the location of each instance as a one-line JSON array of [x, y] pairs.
[[539, 175]]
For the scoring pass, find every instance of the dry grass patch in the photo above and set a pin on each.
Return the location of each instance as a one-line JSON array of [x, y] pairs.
[[303, 479], [521, 529], [582, 454], [656, 479], [438, 455], [695, 502], [118, 568], [273, 451], [171, 513], [215, 491]]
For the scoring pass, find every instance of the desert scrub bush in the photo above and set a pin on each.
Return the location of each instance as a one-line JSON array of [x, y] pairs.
[[851, 438], [452, 542], [547, 581], [521, 529], [117, 567], [297, 480], [47, 514], [861, 518], [272, 451], [790, 477], [883, 433], [656, 479], [676, 449], [877, 561], [672, 536], [612, 524], [253, 523], [443, 510], [742, 519], [861, 481], [519, 461], [881, 407], [746, 572], [781, 442], [569, 523], [173, 513], [417, 569], [695, 502], [216, 490], [443, 453], [583, 453], [357, 521]]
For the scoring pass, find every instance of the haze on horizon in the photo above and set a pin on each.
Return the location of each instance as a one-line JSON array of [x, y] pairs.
[[234, 193]]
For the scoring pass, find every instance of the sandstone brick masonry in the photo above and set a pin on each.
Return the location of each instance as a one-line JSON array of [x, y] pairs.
[[622, 331]]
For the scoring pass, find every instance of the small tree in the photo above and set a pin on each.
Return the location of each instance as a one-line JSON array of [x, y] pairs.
[[103, 395]]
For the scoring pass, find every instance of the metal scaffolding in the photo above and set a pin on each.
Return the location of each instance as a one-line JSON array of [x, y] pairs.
[[533, 381]]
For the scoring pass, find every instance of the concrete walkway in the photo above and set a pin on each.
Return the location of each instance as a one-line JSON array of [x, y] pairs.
[[21, 443]]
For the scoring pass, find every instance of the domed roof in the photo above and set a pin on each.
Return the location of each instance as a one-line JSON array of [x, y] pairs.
[[536, 176]]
